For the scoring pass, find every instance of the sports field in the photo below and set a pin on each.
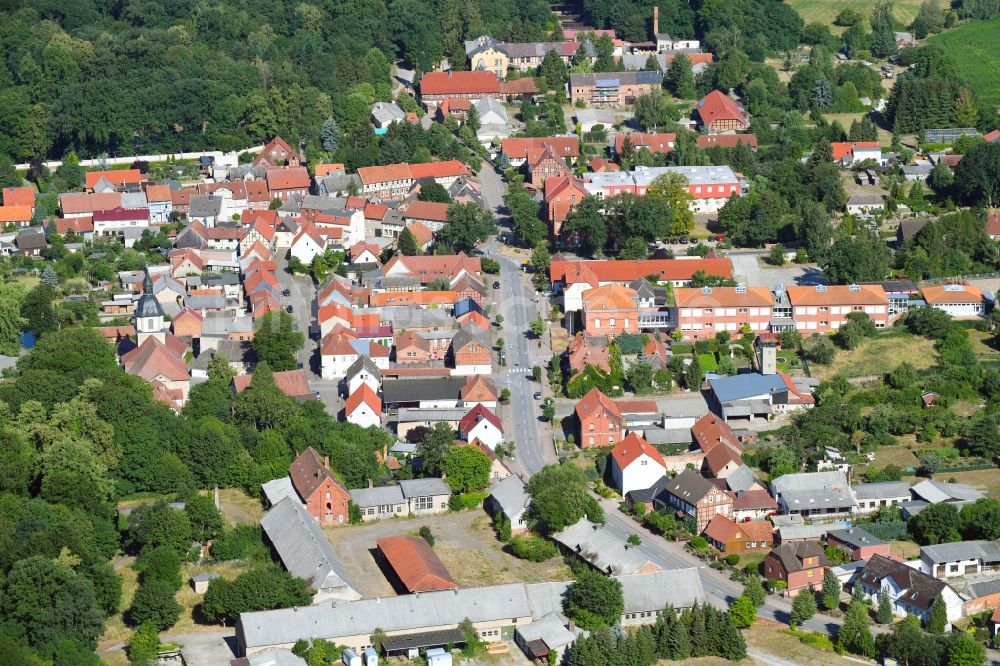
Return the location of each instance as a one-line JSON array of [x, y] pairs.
[[824, 11]]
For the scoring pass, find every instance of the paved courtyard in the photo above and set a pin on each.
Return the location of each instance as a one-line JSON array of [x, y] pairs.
[[752, 270]]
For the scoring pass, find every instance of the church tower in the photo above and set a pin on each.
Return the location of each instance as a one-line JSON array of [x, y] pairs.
[[149, 321]]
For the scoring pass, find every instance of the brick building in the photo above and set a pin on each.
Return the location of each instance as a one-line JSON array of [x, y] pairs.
[[720, 113], [324, 496], [800, 565], [701, 313], [610, 310], [822, 308], [601, 422], [612, 88]]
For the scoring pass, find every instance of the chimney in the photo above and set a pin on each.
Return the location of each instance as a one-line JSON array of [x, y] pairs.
[[656, 21], [571, 626], [326, 462], [369, 483]]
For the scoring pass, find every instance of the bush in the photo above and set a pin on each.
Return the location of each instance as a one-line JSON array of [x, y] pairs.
[[154, 604], [732, 559], [243, 542], [533, 548], [491, 266], [161, 563], [426, 534], [466, 501], [698, 543]]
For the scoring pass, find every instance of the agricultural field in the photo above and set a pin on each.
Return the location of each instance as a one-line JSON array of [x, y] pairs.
[[822, 11], [976, 50]]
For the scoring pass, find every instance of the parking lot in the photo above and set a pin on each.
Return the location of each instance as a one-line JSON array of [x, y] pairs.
[[464, 541], [752, 270]]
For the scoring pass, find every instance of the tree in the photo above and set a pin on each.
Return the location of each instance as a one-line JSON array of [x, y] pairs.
[[964, 650], [754, 590], [11, 324], [931, 15], [594, 600], [154, 525], [693, 375], [472, 119], [559, 498], [263, 588], [434, 447], [466, 226], [466, 469], [941, 178], [407, 243], [743, 611], [654, 110], [433, 191], [672, 188], [884, 613], [831, 590], [977, 176], [154, 604], [822, 94], [554, 70], [204, 516], [680, 77], [803, 606], [777, 255], [426, 534], [537, 326], [276, 342], [938, 523], [38, 311], [640, 376], [161, 563], [981, 519], [938, 618], [50, 278], [652, 65], [330, 136], [855, 634], [144, 645], [48, 601], [587, 225]]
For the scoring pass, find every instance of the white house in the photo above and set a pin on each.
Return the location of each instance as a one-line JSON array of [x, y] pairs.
[[386, 113], [636, 464], [911, 591], [363, 372], [494, 125], [307, 244], [509, 499], [946, 560], [363, 407], [482, 424]]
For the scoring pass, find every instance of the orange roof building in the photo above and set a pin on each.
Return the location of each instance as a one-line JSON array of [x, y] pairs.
[[610, 310], [728, 536], [703, 312], [19, 196], [601, 422], [822, 308], [636, 464], [118, 178], [960, 301], [653, 142], [438, 86], [719, 112], [417, 567]]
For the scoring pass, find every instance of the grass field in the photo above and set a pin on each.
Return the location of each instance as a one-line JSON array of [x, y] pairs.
[[825, 11], [976, 50], [879, 355]]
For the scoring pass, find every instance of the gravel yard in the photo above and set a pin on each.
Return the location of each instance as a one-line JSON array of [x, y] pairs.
[[464, 541]]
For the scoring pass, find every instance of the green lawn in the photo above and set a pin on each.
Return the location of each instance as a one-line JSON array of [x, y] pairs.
[[825, 11], [975, 47], [879, 355], [708, 362]]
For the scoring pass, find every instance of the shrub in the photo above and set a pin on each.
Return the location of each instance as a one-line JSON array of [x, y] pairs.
[[698, 543], [533, 548], [466, 501], [426, 534], [732, 559], [240, 543]]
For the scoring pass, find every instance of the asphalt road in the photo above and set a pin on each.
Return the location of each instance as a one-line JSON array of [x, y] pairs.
[[516, 302], [303, 302]]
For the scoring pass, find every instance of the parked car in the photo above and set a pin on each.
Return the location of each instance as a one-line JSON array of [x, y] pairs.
[[538, 395], [286, 292], [496, 284], [289, 309]]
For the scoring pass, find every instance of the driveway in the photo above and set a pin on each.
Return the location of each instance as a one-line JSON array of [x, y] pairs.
[[750, 269]]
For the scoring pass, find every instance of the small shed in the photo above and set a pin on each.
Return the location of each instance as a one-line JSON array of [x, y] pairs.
[[200, 581]]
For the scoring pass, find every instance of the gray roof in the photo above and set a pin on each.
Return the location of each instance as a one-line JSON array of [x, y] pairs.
[[817, 498], [808, 481], [278, 489], [395, 391], [935, 491], [304, 549], [369, 497], [602, 547], [387, 112], [446, 608], [206, 302], [987, 551], [235, 351], [339, 182], [430, 414], [203, 577], [274, 657], [689, 486], [741, 479], [470, 334], [363, 363], [787, 520], [222, 324], [428, 487], [402, 317], [134, 200], [213, 280], [855, 537], [511, 496], [881, 490], [741, 387], [490, 105], [552, 630], [809, 532], [865, 200], [981, 588], [205, 205]]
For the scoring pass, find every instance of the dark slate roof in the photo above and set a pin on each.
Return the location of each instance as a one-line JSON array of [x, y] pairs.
[[920, 589], [792, 554], [395, 391]]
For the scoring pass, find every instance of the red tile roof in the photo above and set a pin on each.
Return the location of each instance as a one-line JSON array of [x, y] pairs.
[[384, 174], [291, 178], [421, 232], [116, 177], [726, 140], [716, 105], [416, 565], [596, 402], [723, 297], [155, 359], [445, 169], [754, 499], [77, 202], [459, 83], [841, 294], [710, 431], [363, 394], [426, 210], [477, 414], [632, 448], [724, 529], [14, 213], [120, 214], [308, 473], [525, 85], [842, 149], [18, 196], [519, 148], [656, 143]]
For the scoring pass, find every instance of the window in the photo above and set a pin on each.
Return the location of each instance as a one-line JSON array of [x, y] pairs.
[[423, 503]]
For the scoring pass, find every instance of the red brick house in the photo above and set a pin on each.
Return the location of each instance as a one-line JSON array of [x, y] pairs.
[[800, 565], [652, 141], [726, 140], [278, 153], [610, 310], [720, 113], [518, 149], [187, 323], [858, 543], [729, 536], [562, 194], [469, 287], [283, 183], [703, 312], [324, 496], [412, 348], [601, 422]]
